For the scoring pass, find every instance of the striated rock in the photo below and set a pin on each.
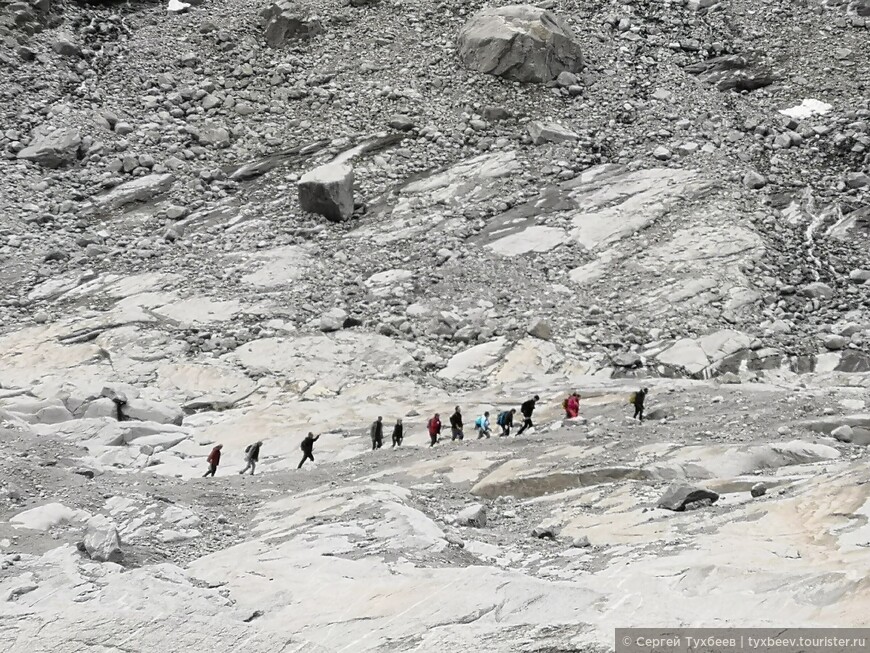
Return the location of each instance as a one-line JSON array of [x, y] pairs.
[[732, 73], [285, 21], [680, 496], [543, 132], [137, 190], [54, 149], [519, 42], [328, 191], [102, 541]]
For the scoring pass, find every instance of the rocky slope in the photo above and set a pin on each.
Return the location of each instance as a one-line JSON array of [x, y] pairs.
[[684, 205]]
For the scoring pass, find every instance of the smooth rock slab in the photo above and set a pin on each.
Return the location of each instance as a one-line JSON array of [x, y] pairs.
[[519, 42], [328, 191]]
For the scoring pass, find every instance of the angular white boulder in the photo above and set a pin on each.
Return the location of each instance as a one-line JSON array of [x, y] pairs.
[[519, 42], [102, 541], [328, 191]]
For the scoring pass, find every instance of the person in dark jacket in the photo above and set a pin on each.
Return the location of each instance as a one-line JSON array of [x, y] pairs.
[[307, 447], [377, 433], [505, 420], [213, 460], [252, 456], [398, 433], [527, 408], [434, 428], [639, 399], [456, 425]]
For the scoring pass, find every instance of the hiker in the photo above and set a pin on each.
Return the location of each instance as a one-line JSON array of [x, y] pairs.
[[482, 425], [638, 398], [505, 420], [572, 406], [456, 425], [252, 456], [434, 429], [307, 447], [213, 460], [398, 433], [527, 408], [377, 433]]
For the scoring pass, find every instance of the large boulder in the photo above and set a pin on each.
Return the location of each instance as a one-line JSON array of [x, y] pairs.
[[142, 410], [328, 191], [519, 42], [53, 149], [680, 497], [102, 542], [284, 21]]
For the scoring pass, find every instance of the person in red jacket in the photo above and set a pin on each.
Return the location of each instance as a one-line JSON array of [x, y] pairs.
[[572, 406], [213, 460], [434, 429]]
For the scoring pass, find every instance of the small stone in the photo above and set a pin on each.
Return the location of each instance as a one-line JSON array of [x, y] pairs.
[[333, 319], [545, 532], [581, 542], [679, 495], [662, 153], [754, 180], [66, 47], [834, 342], [540, 329], [843, 433], [758, 490], [474, 515]]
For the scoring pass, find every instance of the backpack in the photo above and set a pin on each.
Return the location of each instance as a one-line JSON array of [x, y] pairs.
[[632, 398], [565, 404], [501, 420], [248, 448], [479, 422]]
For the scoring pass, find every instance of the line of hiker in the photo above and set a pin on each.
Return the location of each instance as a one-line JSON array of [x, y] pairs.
[[504, 419], [482, 425]]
